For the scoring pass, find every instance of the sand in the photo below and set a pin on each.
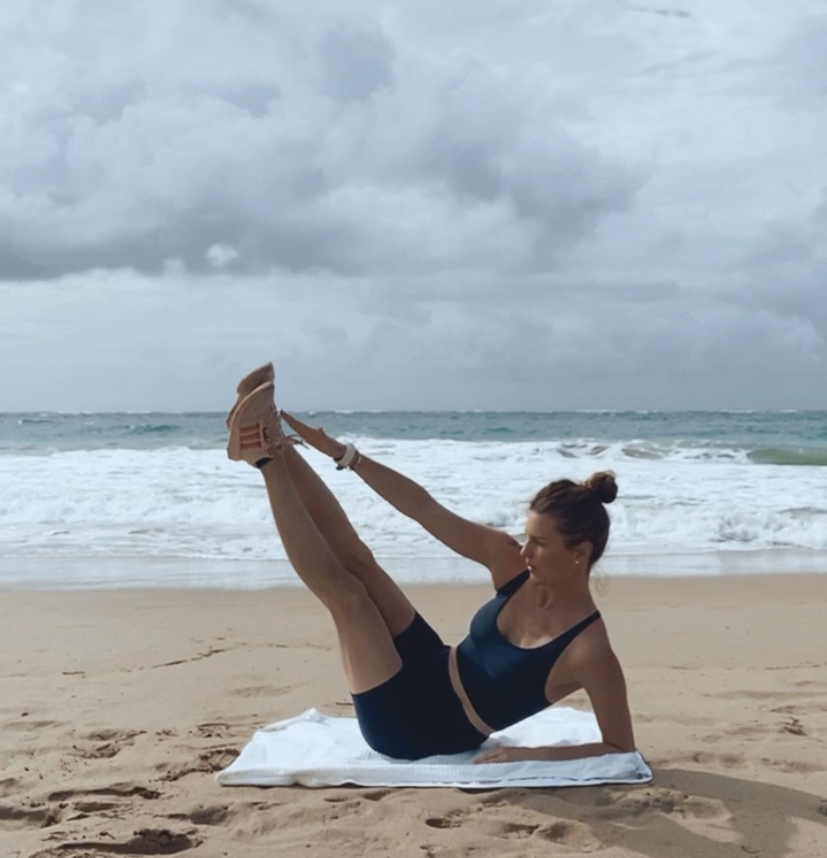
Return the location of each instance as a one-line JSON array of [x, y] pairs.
[[116, 707]]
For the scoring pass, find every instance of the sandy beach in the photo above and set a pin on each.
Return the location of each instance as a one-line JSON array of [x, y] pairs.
[[118, 706]]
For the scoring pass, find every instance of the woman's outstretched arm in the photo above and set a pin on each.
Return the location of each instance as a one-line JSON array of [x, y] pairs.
[[494, 549]]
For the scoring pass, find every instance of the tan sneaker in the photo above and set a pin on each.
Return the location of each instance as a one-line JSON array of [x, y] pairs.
[[255, 428], [248, 384]]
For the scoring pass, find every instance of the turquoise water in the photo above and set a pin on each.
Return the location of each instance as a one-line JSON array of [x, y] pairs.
[[785, 438]]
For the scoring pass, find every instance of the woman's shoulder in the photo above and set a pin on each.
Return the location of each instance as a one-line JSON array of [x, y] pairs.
[[584, 657], [592, 644]]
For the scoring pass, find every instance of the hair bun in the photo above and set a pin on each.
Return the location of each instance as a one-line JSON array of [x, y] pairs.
[[603, 486]]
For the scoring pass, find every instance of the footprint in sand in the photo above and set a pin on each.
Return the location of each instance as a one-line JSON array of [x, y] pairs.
[[214, 730], [146, 841], [120, 790], [665, 801], [517, 830], [31, 816], [206, 762], [573, 835], [69, 805], [443, 822], [226, 729], [794, 727], [107, 743], [727, 761], [347, 799], [86, 807], [114, 735], [214, 815], [80, 804]]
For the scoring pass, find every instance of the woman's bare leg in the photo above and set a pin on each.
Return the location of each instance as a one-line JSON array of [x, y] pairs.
[[345, 544], [368, 653]]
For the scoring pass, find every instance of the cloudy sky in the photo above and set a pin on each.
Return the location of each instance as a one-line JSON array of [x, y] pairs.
[[498, 204]]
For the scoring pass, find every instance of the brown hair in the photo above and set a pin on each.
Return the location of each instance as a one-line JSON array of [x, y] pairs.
[[578, 509]]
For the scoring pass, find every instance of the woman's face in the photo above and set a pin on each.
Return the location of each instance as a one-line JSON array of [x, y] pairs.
[[545, 551]]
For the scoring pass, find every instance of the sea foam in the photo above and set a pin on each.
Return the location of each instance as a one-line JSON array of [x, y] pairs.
[[191, 503]]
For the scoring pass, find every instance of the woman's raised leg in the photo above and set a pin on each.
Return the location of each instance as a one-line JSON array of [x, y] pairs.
[[369, 655], [334, 525], [344, 542]]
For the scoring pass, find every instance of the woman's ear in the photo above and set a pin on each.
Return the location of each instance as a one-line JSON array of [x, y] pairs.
[[582, 554]]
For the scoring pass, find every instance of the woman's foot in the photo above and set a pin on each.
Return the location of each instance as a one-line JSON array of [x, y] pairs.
[[248, 384], [255, 427]]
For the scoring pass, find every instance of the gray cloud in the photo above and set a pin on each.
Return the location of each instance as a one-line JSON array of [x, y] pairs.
[[336, 155], [478, 204]]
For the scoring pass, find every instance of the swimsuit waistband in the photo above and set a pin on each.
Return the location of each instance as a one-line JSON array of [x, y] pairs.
[[453, 672]]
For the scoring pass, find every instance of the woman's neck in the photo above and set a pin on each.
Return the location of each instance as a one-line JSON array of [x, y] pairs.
[[562, 596]]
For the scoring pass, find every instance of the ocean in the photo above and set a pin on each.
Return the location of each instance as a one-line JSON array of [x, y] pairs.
[[154, 496]]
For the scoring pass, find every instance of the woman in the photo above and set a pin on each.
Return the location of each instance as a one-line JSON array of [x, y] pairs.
[[538, 640]]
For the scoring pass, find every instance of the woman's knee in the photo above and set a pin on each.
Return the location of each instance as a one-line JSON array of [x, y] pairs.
[[360, 560], [349, 598]]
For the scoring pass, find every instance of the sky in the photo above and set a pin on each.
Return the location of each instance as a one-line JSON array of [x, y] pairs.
[[413, 204]]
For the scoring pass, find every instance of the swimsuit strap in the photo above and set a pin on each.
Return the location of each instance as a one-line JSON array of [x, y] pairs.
[[568, 636], [511, 587]]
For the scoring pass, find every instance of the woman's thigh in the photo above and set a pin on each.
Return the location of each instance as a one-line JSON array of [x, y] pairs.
[[396, 609], [418, 645], [416, 713]]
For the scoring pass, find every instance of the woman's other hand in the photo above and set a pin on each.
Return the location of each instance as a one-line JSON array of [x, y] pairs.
[[506, 754], [315, 437]]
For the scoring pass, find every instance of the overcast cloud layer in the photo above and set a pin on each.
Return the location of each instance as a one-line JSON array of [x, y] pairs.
[[477, 204]]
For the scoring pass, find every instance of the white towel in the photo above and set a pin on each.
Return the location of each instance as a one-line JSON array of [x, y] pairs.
[[317, 750]]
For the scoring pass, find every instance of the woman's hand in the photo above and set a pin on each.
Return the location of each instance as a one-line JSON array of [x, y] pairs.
[[506, 754], [315, 437]]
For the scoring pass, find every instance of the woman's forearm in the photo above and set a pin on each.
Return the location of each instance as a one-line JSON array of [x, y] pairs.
[[494, 549], [551, 753], [572, 752], [401, 492], [397, 489]]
